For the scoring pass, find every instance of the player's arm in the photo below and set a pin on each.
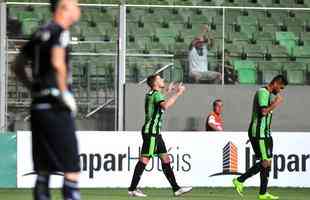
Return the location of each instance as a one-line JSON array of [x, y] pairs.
[[206, 36], [59, 65], [263, 100], [19, 69], [211, 122], [274, 104], [171, 100], [60, 68]]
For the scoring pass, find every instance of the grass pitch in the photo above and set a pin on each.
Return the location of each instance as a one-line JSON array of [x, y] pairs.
[[165, 194]]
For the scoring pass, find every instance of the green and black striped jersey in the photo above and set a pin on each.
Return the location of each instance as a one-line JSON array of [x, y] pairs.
[[153, 112], [260, 126]]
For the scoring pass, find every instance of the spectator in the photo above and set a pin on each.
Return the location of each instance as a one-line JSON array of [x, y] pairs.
[[214, 120], [230, 76], [198, 59]]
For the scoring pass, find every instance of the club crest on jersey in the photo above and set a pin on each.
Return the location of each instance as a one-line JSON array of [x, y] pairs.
[[45, 35], [64, 38]]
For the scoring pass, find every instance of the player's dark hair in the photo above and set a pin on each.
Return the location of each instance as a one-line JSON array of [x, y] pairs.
[[54, 4], [279, 78], [151, 79], [215, 102]]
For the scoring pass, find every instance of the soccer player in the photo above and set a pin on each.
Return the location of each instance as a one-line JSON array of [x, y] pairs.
[[260, 135], [153, 143], [54, 143]]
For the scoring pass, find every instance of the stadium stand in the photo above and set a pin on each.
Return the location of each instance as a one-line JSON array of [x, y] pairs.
[[244, 3], [262, 43]]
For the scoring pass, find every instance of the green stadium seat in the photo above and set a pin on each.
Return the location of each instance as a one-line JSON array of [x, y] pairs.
[[268, 70], [178, 73], [133, 47], [302, 51], [29, 25], [279, 15], [247, 76], [184, 2], [295, 73], [166, 32], [263, 36], [180, 47], [296, 76], [277, 51], [26, 15], [249, 29], [253, 50], [287, 39], [246, 70], [83, 47], [247, 20], [214, 63], [191, 32], [285, 36], [105, 47], [237, 37], [158, 47], [197, 19], [132, 72]]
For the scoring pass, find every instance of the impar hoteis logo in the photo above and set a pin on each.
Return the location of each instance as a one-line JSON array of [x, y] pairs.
[[230, 160]]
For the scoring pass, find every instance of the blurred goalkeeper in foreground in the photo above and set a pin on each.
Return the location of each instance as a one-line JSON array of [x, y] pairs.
[[54, 143]]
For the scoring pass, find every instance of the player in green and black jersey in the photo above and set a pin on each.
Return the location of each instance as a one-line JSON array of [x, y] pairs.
[[260, 134], [153, 144]]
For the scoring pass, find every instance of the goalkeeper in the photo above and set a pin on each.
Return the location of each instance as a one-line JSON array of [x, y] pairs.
[[54, 143]]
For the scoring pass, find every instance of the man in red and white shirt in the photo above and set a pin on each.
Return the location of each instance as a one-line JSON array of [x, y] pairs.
[[214, 120]]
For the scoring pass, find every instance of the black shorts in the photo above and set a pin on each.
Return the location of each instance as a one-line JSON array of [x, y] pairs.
[[263, 148], [54, 143], [153, 145]]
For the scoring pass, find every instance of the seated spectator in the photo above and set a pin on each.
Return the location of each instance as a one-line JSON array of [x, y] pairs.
[[198, 60], [230, 76], [214, 120]]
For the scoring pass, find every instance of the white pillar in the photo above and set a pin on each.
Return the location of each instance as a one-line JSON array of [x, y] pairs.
[[3, 67], [121, 72]]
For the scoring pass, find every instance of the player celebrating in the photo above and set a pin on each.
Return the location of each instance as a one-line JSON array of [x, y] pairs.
[[153, 144], [260, 135], [54, 143]]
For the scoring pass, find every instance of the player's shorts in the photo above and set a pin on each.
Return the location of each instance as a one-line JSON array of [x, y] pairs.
[[54, 143], [263, 148], [153, 145]]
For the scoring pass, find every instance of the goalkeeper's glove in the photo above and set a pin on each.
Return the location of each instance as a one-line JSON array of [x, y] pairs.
[[69, 101]]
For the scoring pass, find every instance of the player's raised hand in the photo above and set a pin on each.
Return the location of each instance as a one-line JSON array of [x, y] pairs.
[[205, 28], [180, 89], [171, 87]]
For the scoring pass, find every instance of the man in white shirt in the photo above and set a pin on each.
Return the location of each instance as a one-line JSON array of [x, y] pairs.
[[198, 60]]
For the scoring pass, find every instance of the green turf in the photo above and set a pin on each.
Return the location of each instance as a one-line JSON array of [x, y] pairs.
[[165, 194]]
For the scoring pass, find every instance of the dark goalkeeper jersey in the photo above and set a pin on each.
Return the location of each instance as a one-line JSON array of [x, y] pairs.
[[39, 49], [260, 126]]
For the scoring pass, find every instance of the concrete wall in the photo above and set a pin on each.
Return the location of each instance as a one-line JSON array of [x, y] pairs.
[[190, 111]]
